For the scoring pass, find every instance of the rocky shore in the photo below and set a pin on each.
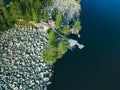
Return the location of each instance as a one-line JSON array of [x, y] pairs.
[[70, 9], [21, 65]]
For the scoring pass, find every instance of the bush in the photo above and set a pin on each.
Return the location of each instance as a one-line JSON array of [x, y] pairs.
[[62, 48], [51, 37], [78, 1], [77, 26], [58, 19], [50, 54], [66, 30]]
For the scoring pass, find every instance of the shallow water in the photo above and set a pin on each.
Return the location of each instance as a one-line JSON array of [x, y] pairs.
[[97, 66]]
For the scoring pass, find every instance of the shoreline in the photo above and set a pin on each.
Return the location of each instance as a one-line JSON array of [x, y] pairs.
[[22, 47]]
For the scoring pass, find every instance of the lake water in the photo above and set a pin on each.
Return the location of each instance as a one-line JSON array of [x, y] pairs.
[[97, 66]]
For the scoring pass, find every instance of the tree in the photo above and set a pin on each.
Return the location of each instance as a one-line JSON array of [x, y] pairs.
[[27, 10], [58, 19], [77, 26], [34, 15], [78, 1], [5, 13], [66, 30], [60, 30], [13, 11], [5, 17], [45, 15], [18, 10], [27, 16], [51, 37], [50, 54], [62, 48]]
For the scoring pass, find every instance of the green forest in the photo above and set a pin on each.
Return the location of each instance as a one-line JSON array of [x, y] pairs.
[[22, 11], [27, 12], [55, 49]]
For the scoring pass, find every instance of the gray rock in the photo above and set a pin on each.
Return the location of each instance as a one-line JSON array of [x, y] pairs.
[[18, 45], [14, 67], [48, 83], [37, 81], [20, 87], [41, 81], [20, 59], [46, 79], [18, 76], [16, 88]]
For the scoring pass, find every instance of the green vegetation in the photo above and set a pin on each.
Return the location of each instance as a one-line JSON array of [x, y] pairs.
[[28, 12], [58, 19], [50, 54], [78, 1], [22, 10], [5, 22], [77, 26], [52, 37], [62, 48], [66, 30], [55, 50]]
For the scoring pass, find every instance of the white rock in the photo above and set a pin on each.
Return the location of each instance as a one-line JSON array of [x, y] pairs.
[[4, 55], [21, 87], [15, 67], [16, 88], [18, 75], [26, 55], [48, 83], [41, 47], [42, 75], [41, 81], [37, 81], [46, 79]]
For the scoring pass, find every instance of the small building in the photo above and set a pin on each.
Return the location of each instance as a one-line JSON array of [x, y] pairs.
[[52, 23]]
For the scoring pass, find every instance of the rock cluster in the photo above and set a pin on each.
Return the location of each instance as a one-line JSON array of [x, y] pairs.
[[70, 9], [21, 67]]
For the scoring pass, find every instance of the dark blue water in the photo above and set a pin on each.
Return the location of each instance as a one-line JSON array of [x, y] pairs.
[[97, 66]]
